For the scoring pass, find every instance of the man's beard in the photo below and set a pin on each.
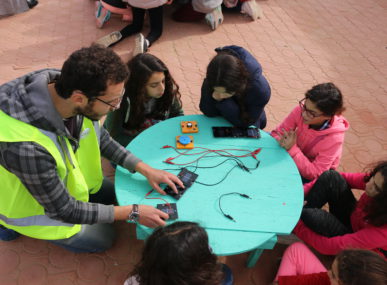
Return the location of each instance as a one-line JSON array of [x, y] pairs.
[[89, 113]]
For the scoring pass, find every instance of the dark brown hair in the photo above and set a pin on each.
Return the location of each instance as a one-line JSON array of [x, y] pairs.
[[327, 98], [361, 267], [90, 70], [228, 71], [178, 254], [141, 68], [377, 209]]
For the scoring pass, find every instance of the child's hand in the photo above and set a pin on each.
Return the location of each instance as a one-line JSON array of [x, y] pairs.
[[288, 139]]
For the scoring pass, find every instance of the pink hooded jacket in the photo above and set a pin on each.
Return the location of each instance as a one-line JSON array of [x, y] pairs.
[[315, 151], [365, 235]]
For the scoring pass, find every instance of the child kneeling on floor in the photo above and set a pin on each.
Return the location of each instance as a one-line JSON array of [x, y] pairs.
[[179, 254]]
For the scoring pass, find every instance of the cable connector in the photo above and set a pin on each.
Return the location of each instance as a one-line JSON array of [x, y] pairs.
[[245, 196], [166, 146], [230, 218], [255, 153], [168, 160]]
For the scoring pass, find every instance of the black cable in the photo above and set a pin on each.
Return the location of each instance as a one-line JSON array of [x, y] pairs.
[[228, 172], [231, 193], [240, 164]]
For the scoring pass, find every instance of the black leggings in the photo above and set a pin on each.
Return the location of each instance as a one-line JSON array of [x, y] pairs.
[[155, 19], [333, 189]]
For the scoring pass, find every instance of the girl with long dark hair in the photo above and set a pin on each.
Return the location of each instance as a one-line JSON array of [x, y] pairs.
[[235, 88], [151, 95], [349, 223], [179, 254]]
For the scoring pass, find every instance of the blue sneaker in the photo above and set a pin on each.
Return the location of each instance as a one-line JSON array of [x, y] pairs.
[[8, 234]]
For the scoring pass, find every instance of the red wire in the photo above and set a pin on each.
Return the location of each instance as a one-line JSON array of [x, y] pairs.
[[166, 202], [221, 152]]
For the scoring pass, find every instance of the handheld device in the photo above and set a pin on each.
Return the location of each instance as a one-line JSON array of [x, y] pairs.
[[188, 178], [189, 127], [169, 209], [184, 142], [235, 132]]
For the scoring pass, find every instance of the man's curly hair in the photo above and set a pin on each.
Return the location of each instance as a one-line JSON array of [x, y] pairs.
[[90, 70]]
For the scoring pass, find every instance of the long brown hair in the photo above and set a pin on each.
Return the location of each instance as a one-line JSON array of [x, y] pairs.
[[361, 267], [178, 254], [377, 209], [228, 71], [141, 68]]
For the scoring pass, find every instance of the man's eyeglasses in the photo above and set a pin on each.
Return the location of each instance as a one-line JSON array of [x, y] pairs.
[[115, 103], [310, 113]]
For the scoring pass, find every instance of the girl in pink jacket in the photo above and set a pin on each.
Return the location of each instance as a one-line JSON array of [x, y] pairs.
[[349, 223], [299, 266], [313, 133]]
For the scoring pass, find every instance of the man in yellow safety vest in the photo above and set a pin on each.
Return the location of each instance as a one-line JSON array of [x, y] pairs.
[[51, 144]]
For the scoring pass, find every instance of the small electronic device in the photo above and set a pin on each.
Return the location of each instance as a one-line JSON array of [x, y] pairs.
[[235, 132], [184, 142], [188, 178], [189, 127], [169, 209]]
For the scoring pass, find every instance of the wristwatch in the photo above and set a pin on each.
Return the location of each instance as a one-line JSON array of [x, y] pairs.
[[134, 214]]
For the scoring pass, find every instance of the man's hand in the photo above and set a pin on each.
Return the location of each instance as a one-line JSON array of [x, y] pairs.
[[151, 217], [288, 139], [156, 176]]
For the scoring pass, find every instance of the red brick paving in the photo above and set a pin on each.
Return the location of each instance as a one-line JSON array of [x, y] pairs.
[[299, 43]]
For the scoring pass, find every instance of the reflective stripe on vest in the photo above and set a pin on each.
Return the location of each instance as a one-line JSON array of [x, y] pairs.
[[39, 220]]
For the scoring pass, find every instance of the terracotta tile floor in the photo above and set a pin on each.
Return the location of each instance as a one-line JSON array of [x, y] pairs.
[[299, 43]]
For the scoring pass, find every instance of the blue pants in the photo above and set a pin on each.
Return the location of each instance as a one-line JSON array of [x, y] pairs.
[[97, 237]]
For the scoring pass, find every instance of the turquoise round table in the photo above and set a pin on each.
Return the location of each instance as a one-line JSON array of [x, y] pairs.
[[275, 187]]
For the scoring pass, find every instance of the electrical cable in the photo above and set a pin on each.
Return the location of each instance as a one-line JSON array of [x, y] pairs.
[[227, 194]]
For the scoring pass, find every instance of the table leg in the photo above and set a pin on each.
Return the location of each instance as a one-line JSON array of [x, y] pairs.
[[256, 253], [253, 257]]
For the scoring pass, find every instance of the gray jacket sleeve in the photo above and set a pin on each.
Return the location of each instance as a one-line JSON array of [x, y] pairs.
[[116, 153]]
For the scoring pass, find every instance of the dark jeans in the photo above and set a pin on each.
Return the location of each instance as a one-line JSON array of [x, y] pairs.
[[329, 188], [155, 19], [96, 237]]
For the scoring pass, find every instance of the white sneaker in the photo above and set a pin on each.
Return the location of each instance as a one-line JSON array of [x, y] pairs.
[[109, 39], [215, 18], [140, 44], [252, 9]]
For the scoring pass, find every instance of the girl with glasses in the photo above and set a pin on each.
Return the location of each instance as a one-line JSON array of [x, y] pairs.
[[299, 266], [179, 254], [151, 95], [313, 133], [349, 223]]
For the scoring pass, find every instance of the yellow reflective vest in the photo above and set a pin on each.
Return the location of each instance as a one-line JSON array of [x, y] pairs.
[[80, 172]]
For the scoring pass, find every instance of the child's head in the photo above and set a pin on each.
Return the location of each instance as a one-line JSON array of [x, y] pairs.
[[227, 76], [321, 103], [376, 187], [149, 78], [178, 254], [358, 267]]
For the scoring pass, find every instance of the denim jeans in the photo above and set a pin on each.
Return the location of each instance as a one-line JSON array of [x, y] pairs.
[[96, 237]]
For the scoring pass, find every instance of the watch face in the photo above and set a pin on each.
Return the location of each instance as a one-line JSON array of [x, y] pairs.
[[134, 216]]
